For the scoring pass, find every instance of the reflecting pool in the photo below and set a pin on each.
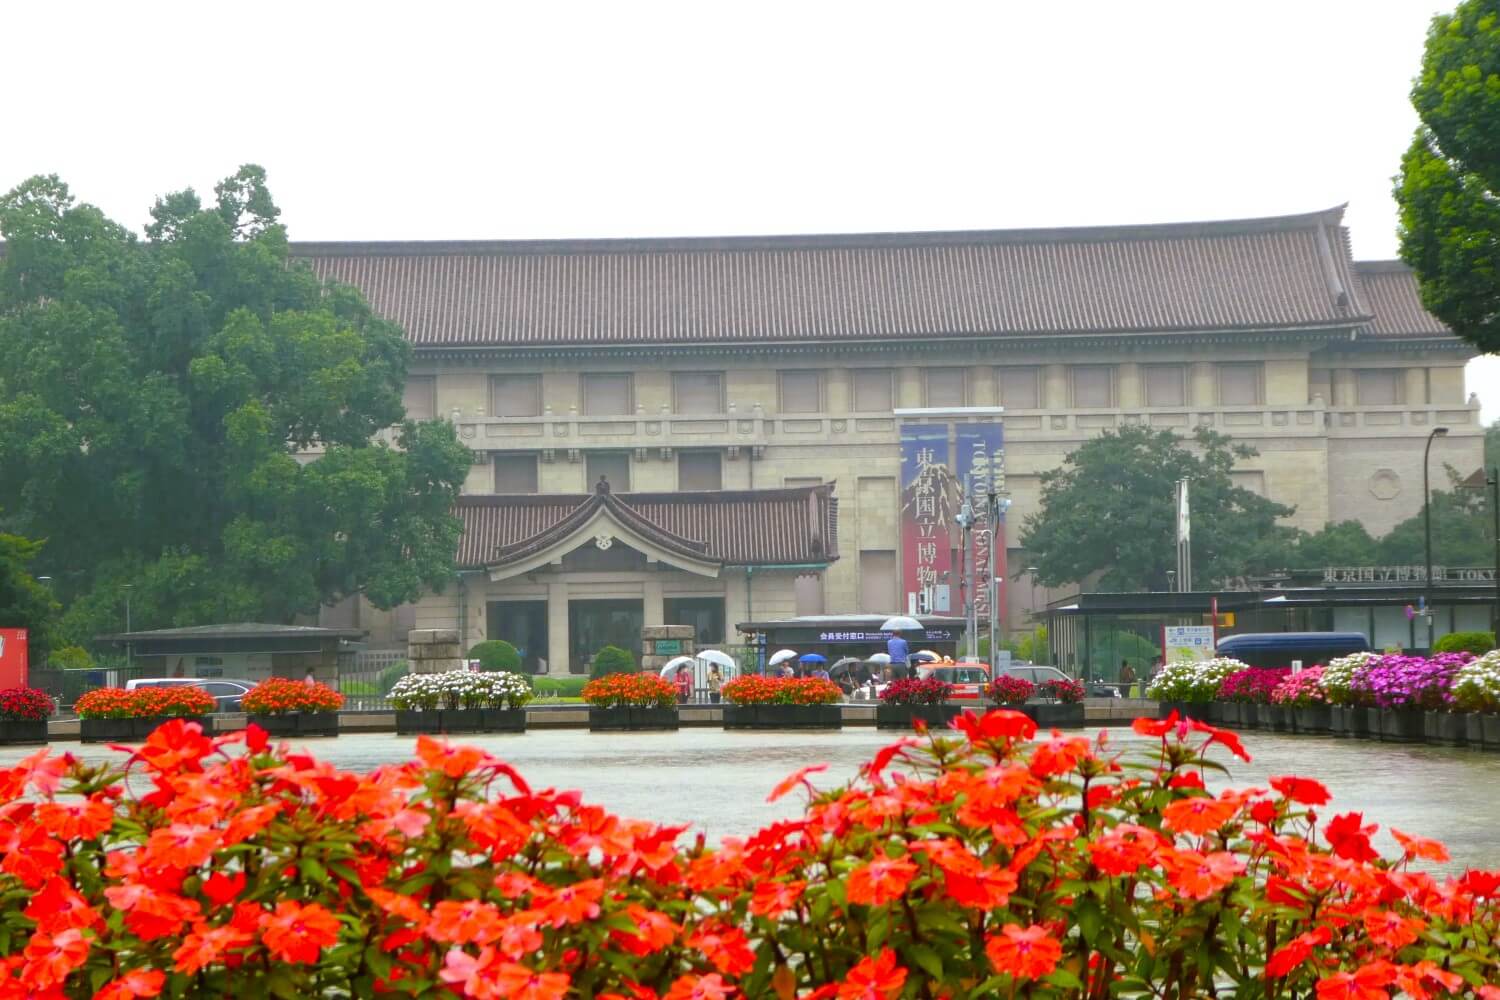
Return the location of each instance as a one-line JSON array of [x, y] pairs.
[[717, 781]]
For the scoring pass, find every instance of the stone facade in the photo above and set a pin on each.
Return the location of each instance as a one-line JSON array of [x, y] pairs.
[[1329, 369]]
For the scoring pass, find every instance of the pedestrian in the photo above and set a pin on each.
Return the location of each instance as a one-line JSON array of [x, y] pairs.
[[1127, 678], [309, 680], [684, 685], [715, 684], [900, 653]]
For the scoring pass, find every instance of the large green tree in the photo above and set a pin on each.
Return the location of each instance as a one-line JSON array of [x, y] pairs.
[[1450, 175], [1109, 513], [158, 402], [25, 602]]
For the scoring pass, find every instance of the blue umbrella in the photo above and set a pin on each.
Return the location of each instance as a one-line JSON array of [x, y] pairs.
[[812, 658]]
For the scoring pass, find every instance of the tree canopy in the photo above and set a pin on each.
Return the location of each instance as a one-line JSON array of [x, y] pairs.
[[25, 602], [159, 399], [1450, 175], [1110, 512]]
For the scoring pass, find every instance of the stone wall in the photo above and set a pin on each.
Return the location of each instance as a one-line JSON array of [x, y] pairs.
[[433, 650]]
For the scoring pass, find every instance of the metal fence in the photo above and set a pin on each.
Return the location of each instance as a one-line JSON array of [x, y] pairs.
[[64, 686], [366, 678]]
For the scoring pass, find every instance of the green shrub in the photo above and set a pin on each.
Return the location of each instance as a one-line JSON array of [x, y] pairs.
[[496, 654], [1477, 643], [391, 674], [613, 660], [559, 687], [70, 658]]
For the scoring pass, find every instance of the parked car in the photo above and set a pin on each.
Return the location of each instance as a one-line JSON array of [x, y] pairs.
[[968, 679], [226, 693]]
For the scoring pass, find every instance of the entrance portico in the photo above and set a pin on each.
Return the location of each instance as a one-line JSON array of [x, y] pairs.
[[560, 577]]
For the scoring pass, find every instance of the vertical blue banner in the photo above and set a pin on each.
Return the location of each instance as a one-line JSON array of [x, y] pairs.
[[979, 446], [926, 513]]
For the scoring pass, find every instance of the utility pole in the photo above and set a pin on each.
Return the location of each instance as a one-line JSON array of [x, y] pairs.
[[998, 502], [965, 520], [1437, 432]]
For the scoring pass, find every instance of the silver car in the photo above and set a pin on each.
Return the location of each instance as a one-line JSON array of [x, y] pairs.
[[226, 693]]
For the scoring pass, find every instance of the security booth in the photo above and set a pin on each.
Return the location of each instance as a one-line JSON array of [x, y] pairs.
[[251, 651], [838, 636]]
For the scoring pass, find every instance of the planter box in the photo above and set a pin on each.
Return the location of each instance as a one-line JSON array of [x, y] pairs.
[[1184, 709], [1374, 723], [1445, 728], [461, 720], [23, 731], [298, 723], [1490, 724], [1055, 715], [1474, 729], [902, 716], [1316, 719], [132, 730], [1239, 715], [632, 719], [1401, 725], [1272, 718], [783, 717], [1216, 713], [1346, 720]]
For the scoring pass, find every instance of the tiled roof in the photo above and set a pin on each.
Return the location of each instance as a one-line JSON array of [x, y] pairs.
[[783, 527], [1289, 272], [1391, 289]]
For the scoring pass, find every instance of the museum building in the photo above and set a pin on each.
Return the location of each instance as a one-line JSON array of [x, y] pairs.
[[708, 431]]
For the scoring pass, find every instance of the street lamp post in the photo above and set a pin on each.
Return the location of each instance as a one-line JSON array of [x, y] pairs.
[[965, 520], [129, 646], [1437, 432]]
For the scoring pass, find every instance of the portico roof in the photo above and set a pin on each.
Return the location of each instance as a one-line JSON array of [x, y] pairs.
[[781, 527]]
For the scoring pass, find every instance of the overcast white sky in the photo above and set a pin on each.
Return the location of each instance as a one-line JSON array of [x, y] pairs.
[[450, 121]]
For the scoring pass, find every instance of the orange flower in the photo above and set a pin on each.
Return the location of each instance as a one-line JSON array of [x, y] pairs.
[[296, 933], [455, 762], [798, 777], [1028, 953], [1420, 847], [206, 945], [137, 983], [76, 820], [877, 978], [772, 899], [487, 977], [880, 881], [693, 987], [50, 958], [726, 947], [1198, 876], [1198, 815], [1391, 929], [464, 922], [1303, 790], [1368, 983], [1295, 952]]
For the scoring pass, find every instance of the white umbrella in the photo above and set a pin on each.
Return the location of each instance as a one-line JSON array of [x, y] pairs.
[[676, 662], [926, 654], [720, 659], [884, 659], [781, 656], [901, 623]]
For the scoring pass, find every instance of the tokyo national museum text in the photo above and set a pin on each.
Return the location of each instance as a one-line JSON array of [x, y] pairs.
[[710, 431]]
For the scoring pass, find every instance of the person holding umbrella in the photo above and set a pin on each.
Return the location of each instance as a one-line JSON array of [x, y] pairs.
[[900, 654], [813, 663]]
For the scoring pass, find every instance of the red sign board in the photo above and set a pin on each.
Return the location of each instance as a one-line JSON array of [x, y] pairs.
[[13, 664]]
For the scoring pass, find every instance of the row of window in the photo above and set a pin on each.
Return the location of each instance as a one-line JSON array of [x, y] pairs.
[[873, 390], [516, 472]]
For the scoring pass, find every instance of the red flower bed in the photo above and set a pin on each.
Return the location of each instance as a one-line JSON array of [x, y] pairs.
[[980, 865], [634, 690], [753, 689], [25, 704], [1068, 692], [281, 695], [1254, 685], [910, 691], [143, 703], [1008, 690]]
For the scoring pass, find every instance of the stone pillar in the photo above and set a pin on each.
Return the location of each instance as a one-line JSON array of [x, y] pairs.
[[661, 643], [557, 630], [1132, 393], [1055, 388], [433, 650], [653, 604]]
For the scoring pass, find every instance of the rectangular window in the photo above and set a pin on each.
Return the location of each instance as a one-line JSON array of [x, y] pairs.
[[1166, 385], [802, 392], [700, 470], [872, 390], [1020, 388], [515, 472], [1093, 385], [420, 397], [877, 581], [516, 395], [1379, 386], [697, 392], [613, 466], [1239, 385], [705, 614], [607, 395], [945, 386], [1320, 385]]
